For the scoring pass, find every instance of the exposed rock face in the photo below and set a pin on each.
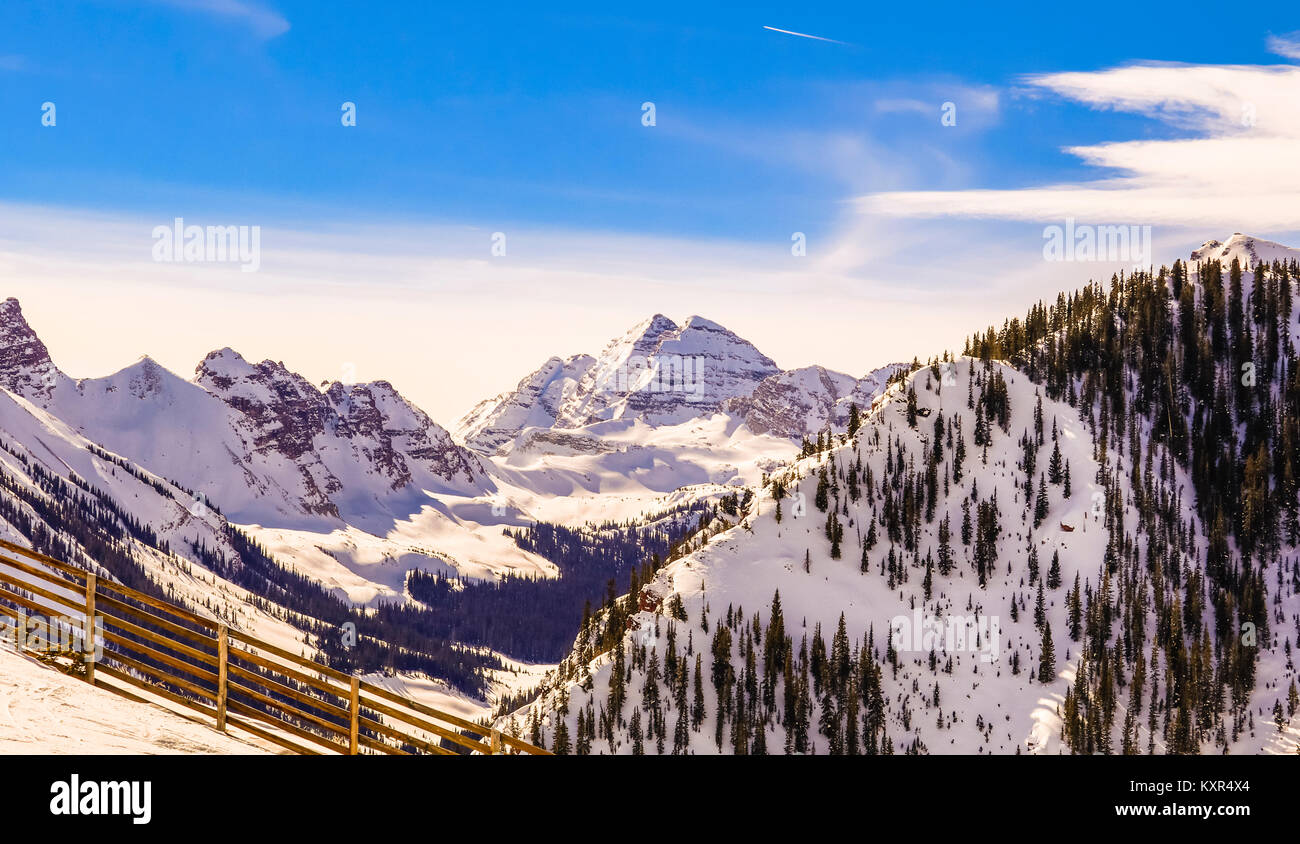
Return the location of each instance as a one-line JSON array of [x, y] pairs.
[[802, 402], [692, 371], [335, 435], [286, 411], [405, 434], [25, 364]]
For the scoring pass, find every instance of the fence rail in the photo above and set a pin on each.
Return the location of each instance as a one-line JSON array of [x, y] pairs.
[[123, 640]]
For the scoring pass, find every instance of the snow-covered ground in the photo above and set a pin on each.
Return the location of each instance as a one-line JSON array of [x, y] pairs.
[[45, 712]]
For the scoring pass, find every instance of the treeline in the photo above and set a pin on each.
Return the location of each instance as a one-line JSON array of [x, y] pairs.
[[536, 619], [389, 637]]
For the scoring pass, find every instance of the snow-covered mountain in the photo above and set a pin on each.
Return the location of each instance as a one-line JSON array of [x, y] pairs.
[[897, 605], [1053, 501], [657, 372], [663, 413], [259, 439], [361, 449], [666, 374], [351, 483], [1249, 251]]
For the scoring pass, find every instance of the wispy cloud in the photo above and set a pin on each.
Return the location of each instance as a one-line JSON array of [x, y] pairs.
[[979, 104], [1235, 167], [263, 21], [1285, 45]]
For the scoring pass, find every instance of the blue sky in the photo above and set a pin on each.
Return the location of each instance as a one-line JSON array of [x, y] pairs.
[[513, 112], [522, 118]]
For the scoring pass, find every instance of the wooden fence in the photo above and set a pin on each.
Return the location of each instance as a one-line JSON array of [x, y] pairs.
[[136, 645]]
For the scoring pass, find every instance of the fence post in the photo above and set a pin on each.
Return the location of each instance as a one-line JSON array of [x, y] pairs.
[[222, 650], [354, 707], [89, 643], [496, 742]]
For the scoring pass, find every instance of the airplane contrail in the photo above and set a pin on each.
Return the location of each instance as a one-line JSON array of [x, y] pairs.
[[806, 35]]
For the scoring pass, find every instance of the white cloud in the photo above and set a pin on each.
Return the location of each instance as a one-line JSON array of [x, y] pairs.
[[1285, 45], [1235, 170]]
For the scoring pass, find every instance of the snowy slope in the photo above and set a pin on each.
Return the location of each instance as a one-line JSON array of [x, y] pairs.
[[625, 468], [179, 430], [33, 440], [45, 712]]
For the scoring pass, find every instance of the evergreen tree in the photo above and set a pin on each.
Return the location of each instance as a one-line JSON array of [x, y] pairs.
[[1046, 657], [1054, 571]]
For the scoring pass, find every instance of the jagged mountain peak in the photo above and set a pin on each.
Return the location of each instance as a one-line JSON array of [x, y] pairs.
[[654, 326], [222, 368], [290, 416], [146, 377], [25, 364], [665, 374], [658, 370]]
